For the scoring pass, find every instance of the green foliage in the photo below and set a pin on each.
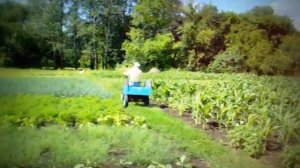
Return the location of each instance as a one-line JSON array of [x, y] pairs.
[[252, 136], [163, 33], [291, 156], [250, 139], [193, 141], [155, 51], [55, 30], [133, 47], [151, 42], [287, 126], [197, 34], [290, 50], [85, 60], [244, 105], [225, 42], [88, 145], [61, 87], [257, 49], [19, 46], [275, 26], [41, 111], [180, 135], [230, 60], [154, 16], [183, 162]]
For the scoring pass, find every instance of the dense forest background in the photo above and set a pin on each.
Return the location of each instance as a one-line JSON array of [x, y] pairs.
[[163, 33]]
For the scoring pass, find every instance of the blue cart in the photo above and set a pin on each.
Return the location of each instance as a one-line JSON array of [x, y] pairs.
[[136, 93]]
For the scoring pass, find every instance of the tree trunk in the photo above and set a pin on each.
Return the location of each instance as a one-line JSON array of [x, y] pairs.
[[107, 34], [95, 56], [60, 40], [75, 48]]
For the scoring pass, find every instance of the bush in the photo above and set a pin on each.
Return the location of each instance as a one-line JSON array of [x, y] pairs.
[[230, 60]]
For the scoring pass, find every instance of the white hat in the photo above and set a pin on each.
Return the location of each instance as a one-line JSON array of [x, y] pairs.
[[136, 64]]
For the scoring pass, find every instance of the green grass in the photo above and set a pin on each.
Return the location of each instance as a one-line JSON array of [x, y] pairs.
[[92, 146]]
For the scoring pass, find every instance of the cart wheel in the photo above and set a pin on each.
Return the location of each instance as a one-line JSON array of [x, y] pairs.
[[146, 100], [125, 100]]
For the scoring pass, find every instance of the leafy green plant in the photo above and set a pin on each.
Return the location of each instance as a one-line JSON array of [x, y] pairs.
[[125, 163], [233, 101], [42, 111], [291, 156], [159, 165], [248, 138], [287, 126], [183, 162]]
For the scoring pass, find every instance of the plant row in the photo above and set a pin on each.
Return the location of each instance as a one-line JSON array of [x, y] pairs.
[[256, 112], [88, 146], [56, 86], [42, 111]]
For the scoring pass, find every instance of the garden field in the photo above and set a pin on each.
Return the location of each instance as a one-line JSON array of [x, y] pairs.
[[64, 118]]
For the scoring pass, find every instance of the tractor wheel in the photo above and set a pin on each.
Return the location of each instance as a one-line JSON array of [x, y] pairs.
[[146, 100], [125, 100]]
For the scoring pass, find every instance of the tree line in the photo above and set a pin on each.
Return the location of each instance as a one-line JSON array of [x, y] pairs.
[[163, 33], [60, 33]]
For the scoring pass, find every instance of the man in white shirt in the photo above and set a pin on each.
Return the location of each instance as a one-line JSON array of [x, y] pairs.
[[134, 75]]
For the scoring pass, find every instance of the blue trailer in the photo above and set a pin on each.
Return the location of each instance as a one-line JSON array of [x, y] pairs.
[[136, 93]]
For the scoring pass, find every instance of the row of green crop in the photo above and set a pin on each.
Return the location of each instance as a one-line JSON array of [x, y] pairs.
[[41, 111], [66, 122], [89, 146], [253, 110], [56, 86], [172, 74]]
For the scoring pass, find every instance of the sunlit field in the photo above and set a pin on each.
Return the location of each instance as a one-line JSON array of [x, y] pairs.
[[67, 118]]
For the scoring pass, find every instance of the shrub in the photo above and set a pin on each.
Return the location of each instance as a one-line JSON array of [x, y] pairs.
[[230, 60]]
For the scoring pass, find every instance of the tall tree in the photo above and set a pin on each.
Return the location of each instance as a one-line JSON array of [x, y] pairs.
[[91, 29], [116, 22], [275, 26], [150, 35], [18, 46], [54, 18], [73, 29], [197, 33]]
